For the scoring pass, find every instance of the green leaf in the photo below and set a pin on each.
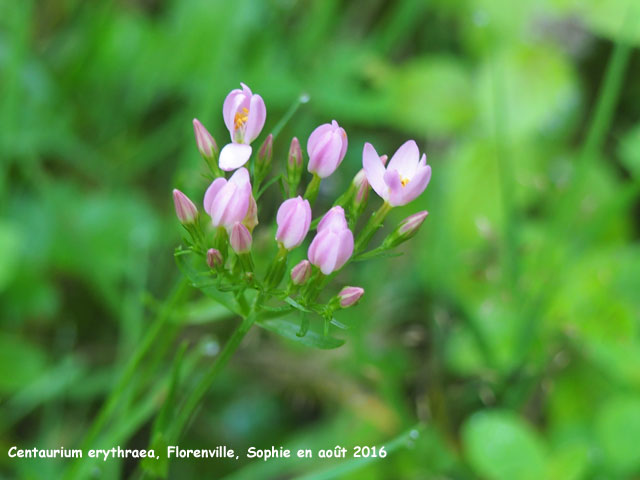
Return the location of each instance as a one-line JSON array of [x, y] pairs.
[[618, 432], [296, 305], [199, 274], [289, 330], [20, 363], [160, 467], [500, 446]]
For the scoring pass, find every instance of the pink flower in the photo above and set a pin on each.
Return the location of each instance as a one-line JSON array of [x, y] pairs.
[[326, 147], [205, 142], [406, 176], [333, 244], [185, 209], [294, 219], [301, 272], [349, 296], [240, 238], [244, 115], [227, 202]]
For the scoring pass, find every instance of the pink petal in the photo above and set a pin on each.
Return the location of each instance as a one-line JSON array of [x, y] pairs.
[[220, 203], [257, 116], [374, 169], [345, 142], [234, 155], [246, 90], [417, 184], [316, 135], [405, 160], [323, 251], [333, 220], [285, 210], [231, 105], [326, 156], [345, 250], [238, 205], [240, 238], [240, 177], [396, 193], [211, 193]]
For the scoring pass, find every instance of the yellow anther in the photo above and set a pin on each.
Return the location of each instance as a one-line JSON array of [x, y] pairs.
[[241, 118], [404, 181]]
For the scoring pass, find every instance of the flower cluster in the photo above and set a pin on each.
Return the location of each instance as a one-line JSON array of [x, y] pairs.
[[232, 208]]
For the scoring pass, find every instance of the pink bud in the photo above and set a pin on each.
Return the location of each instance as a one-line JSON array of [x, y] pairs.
[[227, 202], [185, 209], [326, 147], [214, 258], [295, 154], [407, 229], [349, 296], [240, 238], [251, 219], [206, 144], [411, 224], [293, 219], [404, 178], [266, 151], [333, 244], [334, 220], [301, 273], [362, 188]]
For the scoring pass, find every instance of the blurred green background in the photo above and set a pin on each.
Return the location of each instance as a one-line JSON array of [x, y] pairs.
[[507, 335]]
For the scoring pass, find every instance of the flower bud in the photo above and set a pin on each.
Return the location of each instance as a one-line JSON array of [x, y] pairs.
[[293, 219], [266, 151], [240, 238], [214, 258], [206, 144], [333, 244], [263, 162], [301, 273], [362, 191], [227, 201], [326, 147], [251, 219], [349, 296], [407, 229], [294, 166], [185, 209]]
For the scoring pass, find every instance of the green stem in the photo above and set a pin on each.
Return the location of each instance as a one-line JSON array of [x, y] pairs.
[[311, 193], [375, 222], [277, 268], [191, 404], [505, 177], [303, 98], [110, 404]]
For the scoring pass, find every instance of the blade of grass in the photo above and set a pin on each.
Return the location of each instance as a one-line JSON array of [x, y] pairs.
[[404, 440], [110, 404]]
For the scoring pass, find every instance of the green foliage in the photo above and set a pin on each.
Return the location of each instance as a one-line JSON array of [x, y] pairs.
[[500, 446], [509, 326]]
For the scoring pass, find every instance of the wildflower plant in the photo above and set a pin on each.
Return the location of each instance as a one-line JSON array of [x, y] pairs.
[[219, 257]]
